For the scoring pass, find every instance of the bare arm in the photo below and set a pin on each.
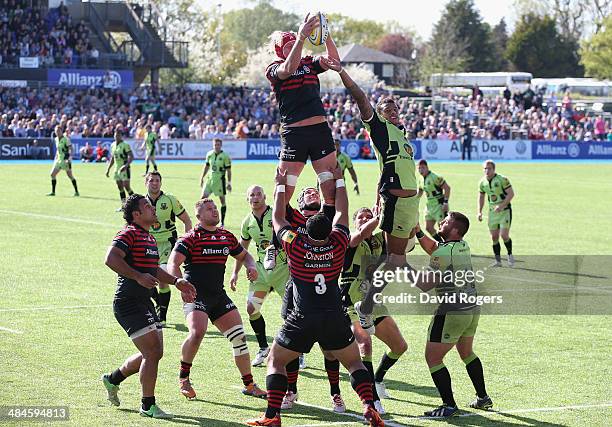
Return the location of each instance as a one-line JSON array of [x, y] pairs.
[[341, 202], [365, 232], [481, 200], [184, 217], [446, 190], [353, 174], [508, 199], [292, 62], [365, 108], [428, 244], [175, 261], [115, 260], [426, 282], [204, 172], [330, 47], [238, 265], [280, 207], [110, 164], [229, 179], [247, 259], [188, 291]]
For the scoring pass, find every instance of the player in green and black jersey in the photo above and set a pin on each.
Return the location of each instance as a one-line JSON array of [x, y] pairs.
[[499, 193], [121, 157], [257, 227], [63, 160], [367, 246], [167, 208], [151, 140], [345, 162], [455, 322], [219, 163], [397, 187], [438, 194]]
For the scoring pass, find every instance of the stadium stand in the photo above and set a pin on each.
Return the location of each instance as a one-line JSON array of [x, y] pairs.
[[240, 112], [52, 36]]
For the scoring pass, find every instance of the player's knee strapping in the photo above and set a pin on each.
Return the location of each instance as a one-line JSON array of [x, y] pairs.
[[324, 176], [256, 303], [292, 180], [238, 339]]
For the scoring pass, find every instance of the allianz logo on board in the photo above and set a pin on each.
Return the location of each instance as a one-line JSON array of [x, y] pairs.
[[70, 78]]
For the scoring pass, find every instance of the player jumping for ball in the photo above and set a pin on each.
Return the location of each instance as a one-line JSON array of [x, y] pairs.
[[304, 130], [397, 186]]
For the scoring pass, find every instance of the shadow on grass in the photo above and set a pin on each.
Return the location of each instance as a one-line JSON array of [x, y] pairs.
[[476, 419], [424, 390], [189, 419]]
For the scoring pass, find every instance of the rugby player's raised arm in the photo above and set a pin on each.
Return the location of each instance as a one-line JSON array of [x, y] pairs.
[[341, 201], [330, 47], [365, 108], [279, 220], [364, 232], [290, 65]]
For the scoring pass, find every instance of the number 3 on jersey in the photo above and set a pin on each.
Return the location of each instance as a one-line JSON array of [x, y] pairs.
[[320, 286]]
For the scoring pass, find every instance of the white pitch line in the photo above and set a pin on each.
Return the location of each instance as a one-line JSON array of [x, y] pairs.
[[13, 331], [69, 307], [549, 409], [501, 412], [57, 218]]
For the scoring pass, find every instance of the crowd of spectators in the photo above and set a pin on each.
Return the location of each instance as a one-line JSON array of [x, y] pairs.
[[52, 37], [238, 112]]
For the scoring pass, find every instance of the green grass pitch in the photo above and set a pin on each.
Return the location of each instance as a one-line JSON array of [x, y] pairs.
[[52, 258]]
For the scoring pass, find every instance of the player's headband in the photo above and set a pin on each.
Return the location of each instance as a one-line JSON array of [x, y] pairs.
[[284, 38]]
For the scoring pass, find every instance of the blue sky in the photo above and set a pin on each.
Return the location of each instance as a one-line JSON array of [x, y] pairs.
[[418, 15]]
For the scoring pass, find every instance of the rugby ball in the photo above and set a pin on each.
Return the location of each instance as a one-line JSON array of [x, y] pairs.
[[320, 32]]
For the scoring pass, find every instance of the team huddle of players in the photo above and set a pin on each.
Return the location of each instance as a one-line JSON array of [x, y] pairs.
[[307, 255]]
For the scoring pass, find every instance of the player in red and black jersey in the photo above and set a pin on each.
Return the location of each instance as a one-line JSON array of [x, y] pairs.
[[315, 263], [304, 130], [204, 251], [309, 204], [133, 255]]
